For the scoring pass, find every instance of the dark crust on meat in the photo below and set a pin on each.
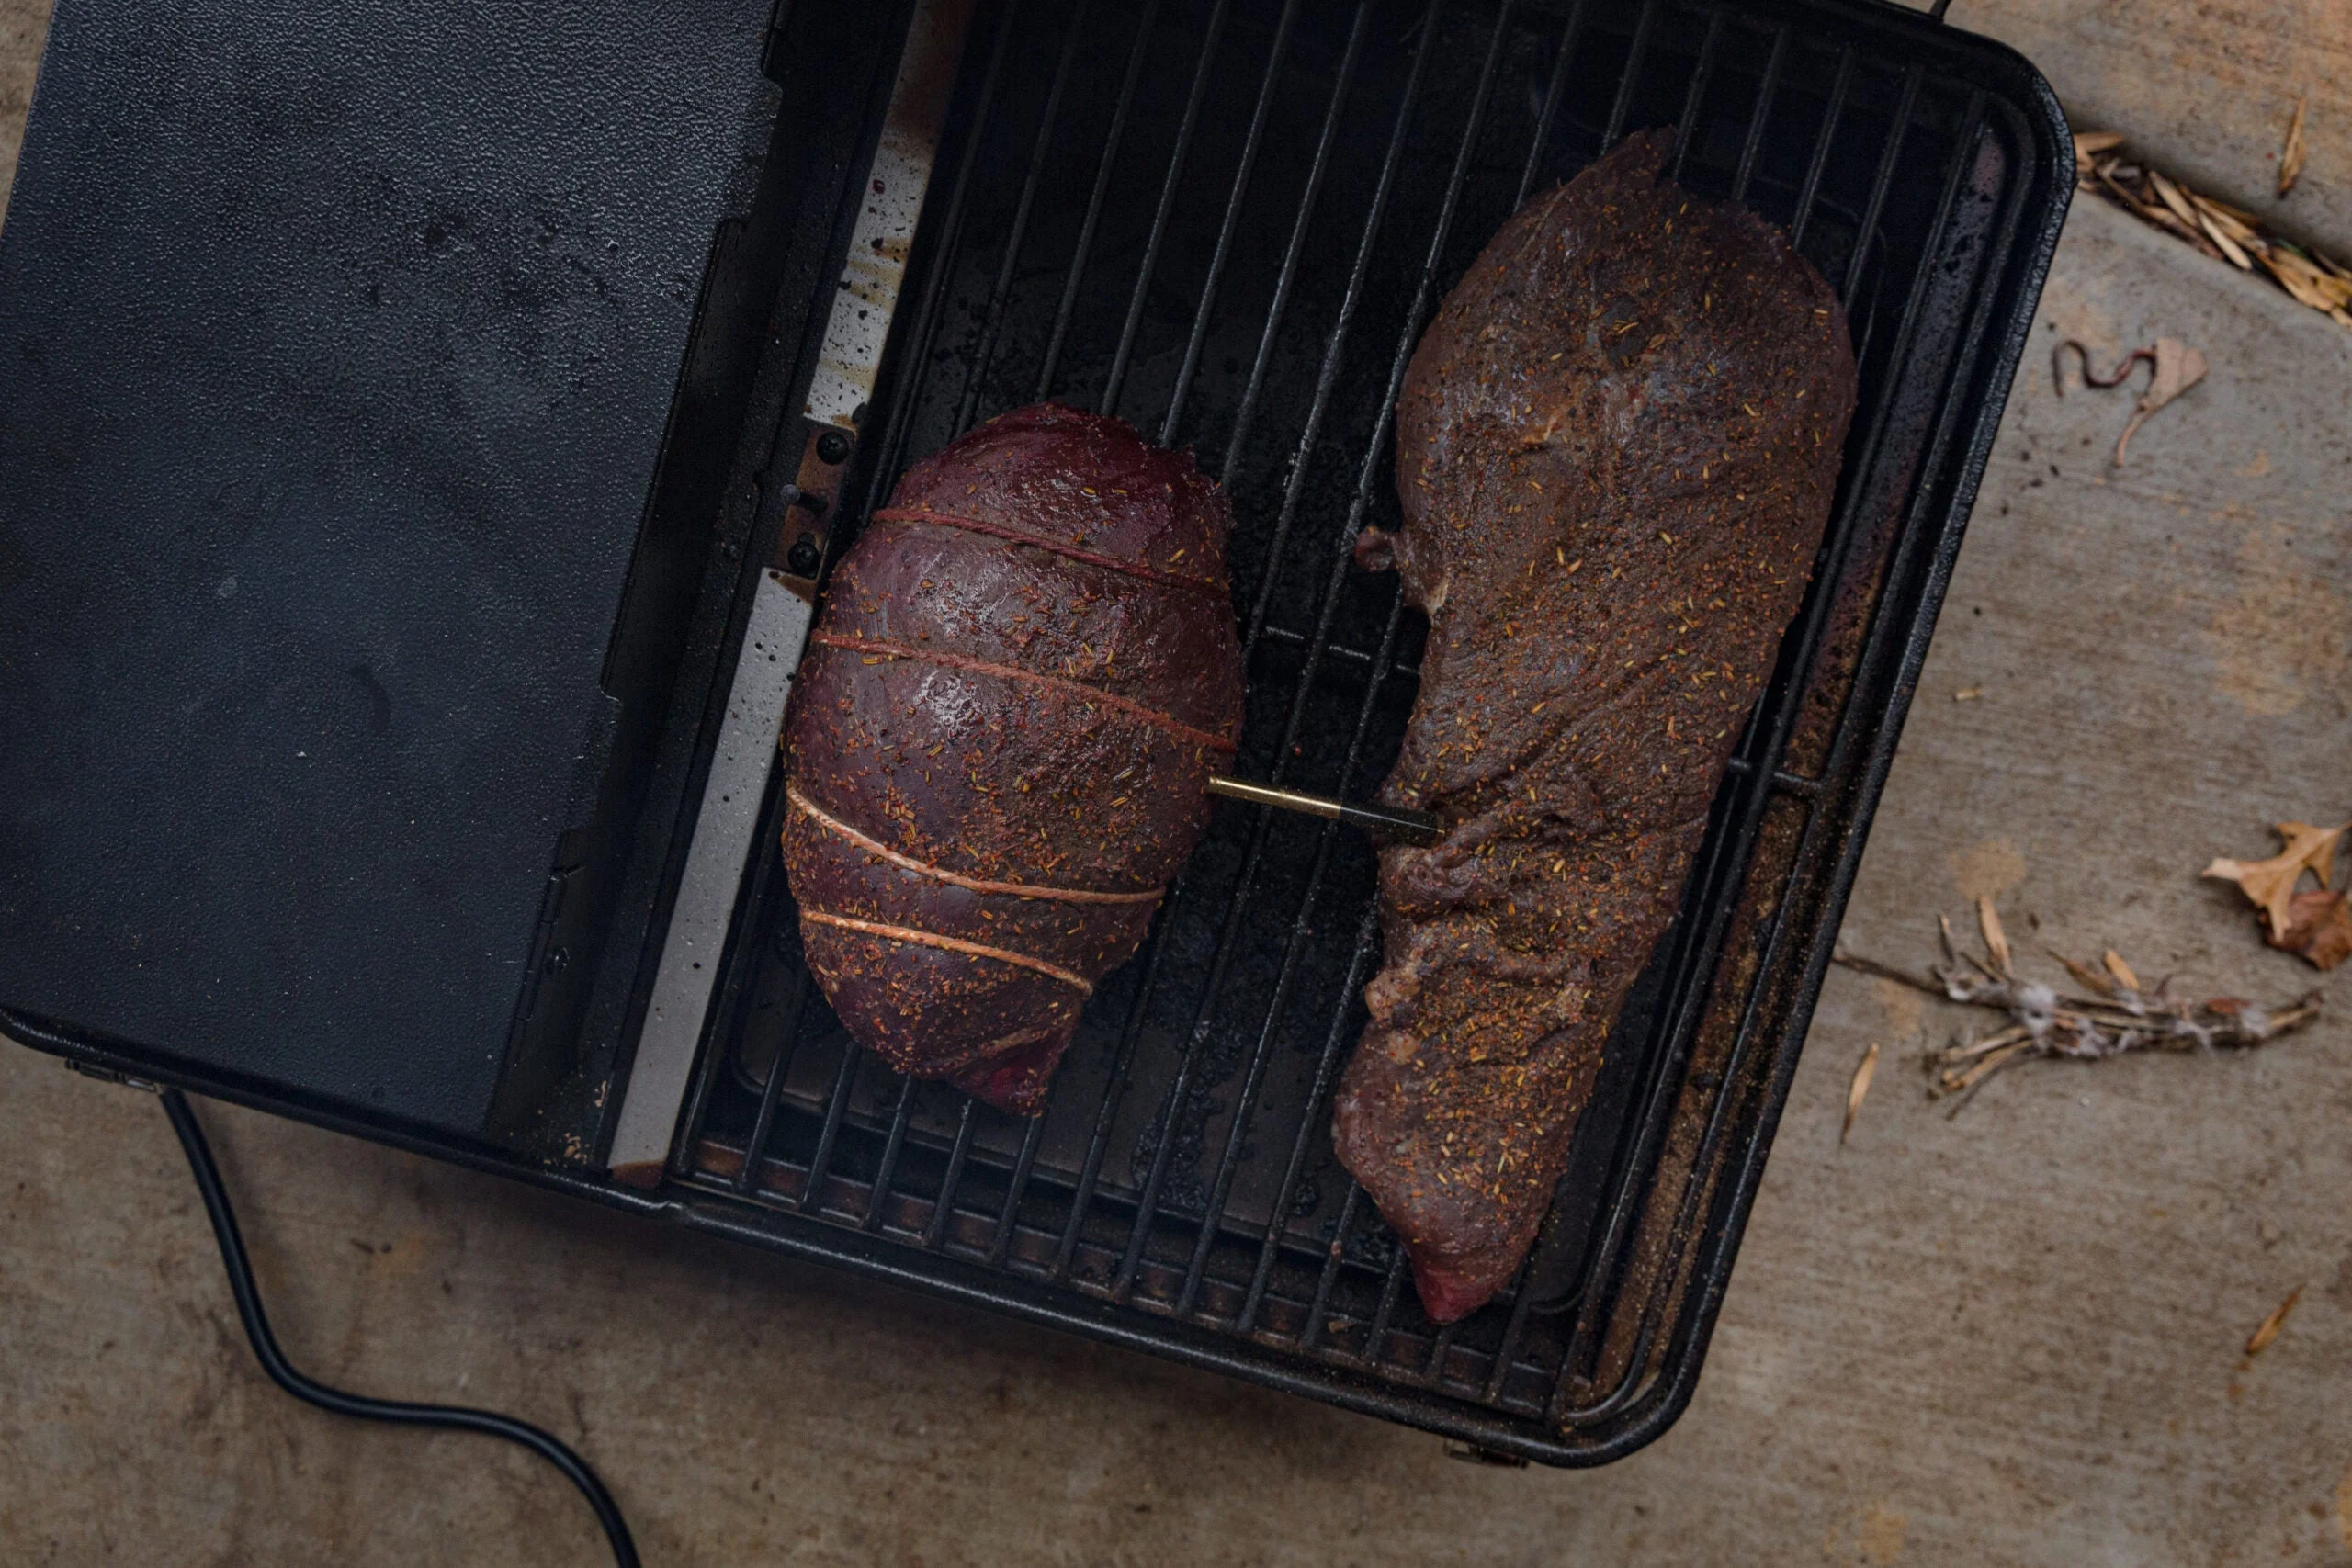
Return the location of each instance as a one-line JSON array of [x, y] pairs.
[[999, 748], [1616, 451]]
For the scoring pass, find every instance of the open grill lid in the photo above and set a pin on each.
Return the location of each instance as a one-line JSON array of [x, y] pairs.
[[341, 340]]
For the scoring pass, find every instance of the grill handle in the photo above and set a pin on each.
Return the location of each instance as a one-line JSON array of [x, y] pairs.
[[1393, 824]]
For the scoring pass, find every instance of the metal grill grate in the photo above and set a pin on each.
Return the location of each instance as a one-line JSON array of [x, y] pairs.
[[1228, 222]]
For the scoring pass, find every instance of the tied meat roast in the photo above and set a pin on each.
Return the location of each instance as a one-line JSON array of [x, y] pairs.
[[1025, 673], [1616, 451]]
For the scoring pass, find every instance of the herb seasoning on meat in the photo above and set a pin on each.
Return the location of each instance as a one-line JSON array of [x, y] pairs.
[[1022, 677], [1616, 451]]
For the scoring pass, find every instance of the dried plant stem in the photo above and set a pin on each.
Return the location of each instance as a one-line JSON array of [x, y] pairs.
[[2118, 1015], [2227, 233]]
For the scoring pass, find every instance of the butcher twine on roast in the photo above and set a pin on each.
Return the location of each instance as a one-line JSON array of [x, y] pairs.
[[1616, 451], [1022, 677]]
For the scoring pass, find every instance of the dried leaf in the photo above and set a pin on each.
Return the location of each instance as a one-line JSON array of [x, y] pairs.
[[2271, 884], [2220, 236], [2107, 177], [2267, 1329], [2120, 970], [2089, 145], [2238, 225], [1997, 942], [2290, 157], [2318, 928], [1864, 1071], [2215, 227], [2178, 368], [2172, 196], [2107, 1022], [2087, 977], [2309, 285], [2248, 222]]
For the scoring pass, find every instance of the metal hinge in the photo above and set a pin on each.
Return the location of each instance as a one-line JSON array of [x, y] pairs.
[[109, 1075]]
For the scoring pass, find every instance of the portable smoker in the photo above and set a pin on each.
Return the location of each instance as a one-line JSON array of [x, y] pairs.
[[1226, 221]]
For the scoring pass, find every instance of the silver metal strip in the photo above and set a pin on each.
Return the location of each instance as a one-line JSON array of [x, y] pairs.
[[842, 385], [895, 188], [722, 847]]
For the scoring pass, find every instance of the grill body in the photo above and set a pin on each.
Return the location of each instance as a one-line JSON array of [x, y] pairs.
[[1229, 224], [1227, 221]]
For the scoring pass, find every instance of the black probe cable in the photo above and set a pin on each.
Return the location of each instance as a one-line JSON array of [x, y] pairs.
[[273, 1360]]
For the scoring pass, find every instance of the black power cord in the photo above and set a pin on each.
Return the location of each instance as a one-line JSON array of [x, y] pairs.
[[273, 1360]]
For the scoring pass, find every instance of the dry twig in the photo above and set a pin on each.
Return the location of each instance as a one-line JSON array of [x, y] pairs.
[[2290, 157], [2267, 1329], [1864, 1070], [2115, 1015]]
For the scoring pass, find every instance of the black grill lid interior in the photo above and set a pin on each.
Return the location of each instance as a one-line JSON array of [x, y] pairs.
[[337, 343]]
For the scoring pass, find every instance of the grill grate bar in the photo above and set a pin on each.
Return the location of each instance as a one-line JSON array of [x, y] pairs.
[[836, 1107], [1102, 172], [1290, 637], [992, 322], [1300, 931], [1113, 1093], [1335, 346], [1106, 1110], [878, 1199], [1023, 1165], [1568, 50], [771, 1091], [1310, 1339], [1888, 159], [1766, 91], [1268, 1030], [1142, 995], [1326, 1069], [1147, 1205], [1174, 177], [1174, 419], [1514, 1334], [1631, 76], [1840, 90], [1287, 281], [1440, 1346], [1391, 1290], [1697, 91], [945, 1210]]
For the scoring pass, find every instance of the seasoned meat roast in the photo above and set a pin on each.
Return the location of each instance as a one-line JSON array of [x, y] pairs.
[[1024, 675], [1616, 450]]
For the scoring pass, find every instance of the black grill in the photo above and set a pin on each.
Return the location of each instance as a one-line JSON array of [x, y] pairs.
[[1228, 223]]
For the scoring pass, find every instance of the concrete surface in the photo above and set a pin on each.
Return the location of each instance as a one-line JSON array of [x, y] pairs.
[[2011, 1337], [23, 24], [2206, 88]]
